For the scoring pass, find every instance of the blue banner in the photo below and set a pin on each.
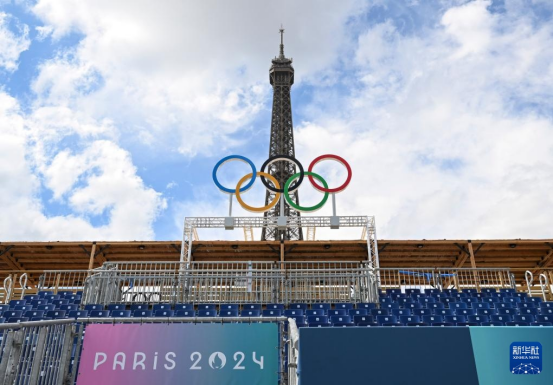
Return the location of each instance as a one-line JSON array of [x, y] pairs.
[[426, 355]]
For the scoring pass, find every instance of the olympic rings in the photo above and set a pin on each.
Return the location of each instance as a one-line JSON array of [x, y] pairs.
[[253, 208], [276, 158], [325, 189], [230, 158], [303, 208], [291, 185]]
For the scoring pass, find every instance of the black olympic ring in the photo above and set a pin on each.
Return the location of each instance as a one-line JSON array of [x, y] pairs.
[[275, 158]]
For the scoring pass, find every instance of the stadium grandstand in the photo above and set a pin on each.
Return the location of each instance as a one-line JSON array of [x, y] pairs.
[[287, 309]]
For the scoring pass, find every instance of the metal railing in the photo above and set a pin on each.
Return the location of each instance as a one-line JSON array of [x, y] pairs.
[[293, 351], [445, 278], [543, 286], [231, 282]]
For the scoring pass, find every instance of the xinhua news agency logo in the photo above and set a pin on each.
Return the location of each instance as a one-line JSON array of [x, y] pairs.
[[526, 358]]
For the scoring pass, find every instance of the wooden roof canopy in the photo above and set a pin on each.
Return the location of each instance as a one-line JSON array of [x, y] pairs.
[[532, 254]]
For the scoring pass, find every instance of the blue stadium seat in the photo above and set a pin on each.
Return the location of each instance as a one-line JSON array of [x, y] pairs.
[[59, 302], [541, 324], [336, 312], [544, 318], [319, 306], [319, 311], [72, 298], [278, 306], [14, 303], [501, 318], [546, 311], [458, 305], [78, 314], [420, 324], [517, 324], [507, 290], [511, 299], [521, 295], [403, 311], [523, 318], [317, 319], [379, 311], [343, 306], [297, 312], [30, 298], [68, 307], [427, 301], [414, 305], [405, 300], [354, 311], [546, 305], [203, 313], [340, 320], [317, 325], [161, 306], [20, 319], [51, 298], [94, 307], [429, 291], [498, 306], [508, 311], [430, 319], [527, 305], [164, 313], [465, 311], [533, 299], [46, 307], [405, 319], [366, 306], [12, 314], [392, 324], [42, 294], [488, 311], [26, 307], [39, 319], [65, 293], [410, 291], [187, 307], [97, 314], [232, 313], [455, 318], [488, 324], [141, 313], [470, 290], [467, 324], [451, 291], [34, 314], [272, 313], [422, 311], [435, 306], [417, 296], [491, 300], [444, 311], [207, 306], [117, 307], [390, 306], [488, 290], [38, 302], [470, 300], [448, 300], [395, 291], [460, 296], [478, 318], [386, 300], [298, 306], [362, 319], [381, 319], [185, 313], [442, 324], [118, 313], [528, 311], [228, 307], [251, 313], [56, 314]]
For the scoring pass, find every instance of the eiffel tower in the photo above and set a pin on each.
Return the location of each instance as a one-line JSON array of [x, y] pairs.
[[281, 76]]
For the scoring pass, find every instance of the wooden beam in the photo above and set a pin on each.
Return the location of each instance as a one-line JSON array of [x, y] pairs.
[[92, 255], [14, 264]]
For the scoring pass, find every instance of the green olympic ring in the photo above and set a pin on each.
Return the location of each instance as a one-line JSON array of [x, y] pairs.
[[303, 208]]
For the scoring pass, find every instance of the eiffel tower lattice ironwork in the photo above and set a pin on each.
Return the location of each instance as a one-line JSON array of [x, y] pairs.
[[281, 76]]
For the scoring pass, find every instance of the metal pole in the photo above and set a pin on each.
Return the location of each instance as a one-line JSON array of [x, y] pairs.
[[38, 357]]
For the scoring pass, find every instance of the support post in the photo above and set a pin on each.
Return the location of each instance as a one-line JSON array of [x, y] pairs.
[[39, 352], [473, 266], [92, 255]]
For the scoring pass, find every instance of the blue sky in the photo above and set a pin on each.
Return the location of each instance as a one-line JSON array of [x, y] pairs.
[[112, 115]]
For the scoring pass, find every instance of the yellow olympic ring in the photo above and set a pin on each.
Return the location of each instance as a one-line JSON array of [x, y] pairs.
[[253, 208]]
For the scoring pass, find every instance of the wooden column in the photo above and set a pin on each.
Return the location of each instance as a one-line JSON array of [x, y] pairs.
[[473, 265], [92, 255]]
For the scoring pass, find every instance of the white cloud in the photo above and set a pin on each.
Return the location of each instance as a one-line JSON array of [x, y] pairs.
[[185, 73], [99, 180], [12, 44], [446, 136]]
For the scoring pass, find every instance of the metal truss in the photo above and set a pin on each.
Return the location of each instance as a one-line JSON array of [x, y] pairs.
[[191, 224]]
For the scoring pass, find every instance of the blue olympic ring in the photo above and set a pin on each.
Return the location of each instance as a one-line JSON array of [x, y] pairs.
[[230, 158]]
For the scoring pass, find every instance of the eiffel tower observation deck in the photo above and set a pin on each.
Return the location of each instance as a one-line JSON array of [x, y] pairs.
[[281, 76]]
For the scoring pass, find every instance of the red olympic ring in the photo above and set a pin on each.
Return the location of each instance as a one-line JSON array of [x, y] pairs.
[[322, 158]]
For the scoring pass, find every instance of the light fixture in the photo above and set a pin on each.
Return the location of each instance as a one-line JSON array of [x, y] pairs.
[[419, 246], [327, 246], [234, 246], [49, 247], [512, 245], [142, 247]]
